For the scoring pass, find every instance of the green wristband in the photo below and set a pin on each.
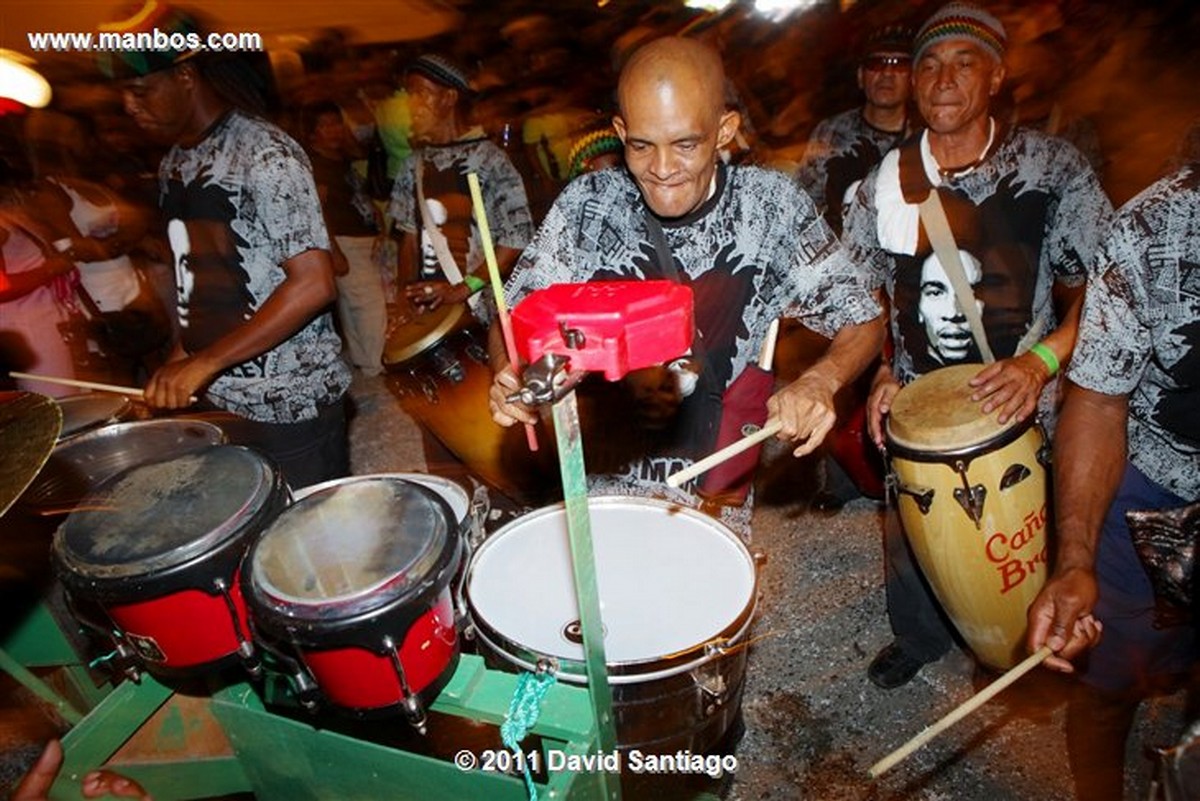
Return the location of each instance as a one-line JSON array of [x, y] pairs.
[[1047, 356], [474, 283]]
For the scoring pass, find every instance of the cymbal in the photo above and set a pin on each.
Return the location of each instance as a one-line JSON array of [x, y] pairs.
[[29, 427]]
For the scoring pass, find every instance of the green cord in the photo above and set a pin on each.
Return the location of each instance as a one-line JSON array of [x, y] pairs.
[[522, 715]]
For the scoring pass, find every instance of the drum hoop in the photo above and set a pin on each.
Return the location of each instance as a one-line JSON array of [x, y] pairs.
[[630, 671], [247, 518], [431, 337], [1001, 439], [574, 671], [428, 480], [371, 600], [118, 408]]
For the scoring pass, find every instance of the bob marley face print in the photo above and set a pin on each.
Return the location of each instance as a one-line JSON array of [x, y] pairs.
[[212, 286], [947, 332]]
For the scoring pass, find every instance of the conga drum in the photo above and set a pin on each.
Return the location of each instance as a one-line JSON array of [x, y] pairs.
[[972, 498], [678, 593], [151, 558], [352, 585]]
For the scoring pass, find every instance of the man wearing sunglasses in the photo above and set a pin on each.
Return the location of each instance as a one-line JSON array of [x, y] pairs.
[[844, 147]]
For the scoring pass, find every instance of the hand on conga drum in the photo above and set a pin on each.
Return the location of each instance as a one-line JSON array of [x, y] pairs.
[[428, 295], [879, 403], [1061, 617], [504, 411], [1011, 385]]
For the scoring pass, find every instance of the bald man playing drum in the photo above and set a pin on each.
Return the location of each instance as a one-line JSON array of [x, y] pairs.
[[748, 242]]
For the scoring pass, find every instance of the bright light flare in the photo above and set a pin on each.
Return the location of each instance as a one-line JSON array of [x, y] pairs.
[[21, 82], [776, 10]]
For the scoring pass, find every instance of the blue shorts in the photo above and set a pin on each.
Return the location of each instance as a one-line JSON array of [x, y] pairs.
[[1133, 654]]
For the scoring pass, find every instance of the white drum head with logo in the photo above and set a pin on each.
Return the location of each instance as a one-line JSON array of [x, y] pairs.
[[670, 579]]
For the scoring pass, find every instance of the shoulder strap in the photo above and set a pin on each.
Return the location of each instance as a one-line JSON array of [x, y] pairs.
[[436, 237], [942, 239]]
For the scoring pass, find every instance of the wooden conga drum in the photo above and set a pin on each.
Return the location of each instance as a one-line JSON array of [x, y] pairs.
[[972, 498]]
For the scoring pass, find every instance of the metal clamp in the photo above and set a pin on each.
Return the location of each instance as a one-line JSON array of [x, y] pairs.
[[969, 497], [922, 495], [547, 380]]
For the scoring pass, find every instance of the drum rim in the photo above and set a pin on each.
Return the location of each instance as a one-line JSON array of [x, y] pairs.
[[35, 497], [122, 406], [247, 518], [365, 603], [1000, 439], [431, 337], [629, 671], [436, 483]]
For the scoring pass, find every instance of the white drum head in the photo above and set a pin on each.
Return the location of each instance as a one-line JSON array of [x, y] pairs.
[[670, 579]]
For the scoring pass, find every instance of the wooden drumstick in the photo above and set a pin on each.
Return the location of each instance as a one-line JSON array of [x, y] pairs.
[[728, 452], [489, 254], [960, 712], [132, 392]]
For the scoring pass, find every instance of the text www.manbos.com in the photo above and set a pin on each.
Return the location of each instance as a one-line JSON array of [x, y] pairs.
[[143, 40]]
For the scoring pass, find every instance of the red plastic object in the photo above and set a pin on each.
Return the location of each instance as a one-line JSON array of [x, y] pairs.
[[625, 325]]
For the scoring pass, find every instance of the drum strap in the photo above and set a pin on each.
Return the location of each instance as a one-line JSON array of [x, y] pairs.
[[933, 215], [436, 238]]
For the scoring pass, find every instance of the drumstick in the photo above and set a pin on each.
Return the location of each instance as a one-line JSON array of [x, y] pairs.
[[959, 712], [766, 356], [728, 452], [489, 253], [75, 382]]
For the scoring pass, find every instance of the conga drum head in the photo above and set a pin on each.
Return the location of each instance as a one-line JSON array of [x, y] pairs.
[[352, 548], [450, 491], [162, 515], [422, 332], [91, 410], [671, 581], [935, 413]]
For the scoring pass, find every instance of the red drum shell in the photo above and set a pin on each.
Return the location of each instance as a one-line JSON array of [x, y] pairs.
[[156, 551], [354, 579]]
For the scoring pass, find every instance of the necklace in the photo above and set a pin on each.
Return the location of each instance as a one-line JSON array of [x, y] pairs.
[[957, 172]]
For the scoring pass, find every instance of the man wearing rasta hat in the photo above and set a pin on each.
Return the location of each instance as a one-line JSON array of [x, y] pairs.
[[441, 254], [253, 270], [1029, 209]]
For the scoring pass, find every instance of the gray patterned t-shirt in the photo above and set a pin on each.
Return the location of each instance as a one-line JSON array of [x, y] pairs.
[[444, 170], [754, 251], [238, 205], [1031, 213], [1140, 331]]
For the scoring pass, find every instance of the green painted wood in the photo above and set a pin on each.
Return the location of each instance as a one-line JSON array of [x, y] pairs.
[[39, 688], [37, 641], [568, 434]]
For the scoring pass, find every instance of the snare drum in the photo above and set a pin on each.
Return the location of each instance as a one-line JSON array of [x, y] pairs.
[[155, 553], [354, 579], [678, 592], [972, 497]]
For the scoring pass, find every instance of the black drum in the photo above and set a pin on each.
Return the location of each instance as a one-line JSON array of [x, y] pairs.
[[156, 550], [354, 581]]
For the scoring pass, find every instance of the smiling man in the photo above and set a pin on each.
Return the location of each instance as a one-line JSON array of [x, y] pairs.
[[1028, 209], [747, 241]]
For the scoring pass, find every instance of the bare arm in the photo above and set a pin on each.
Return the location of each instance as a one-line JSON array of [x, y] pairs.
[[805, 408], [306, 290], [1087, 472]]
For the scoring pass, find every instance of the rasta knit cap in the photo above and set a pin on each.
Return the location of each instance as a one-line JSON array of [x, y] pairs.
[[444, 71], [154, 37], [961, 21], [592, 145]]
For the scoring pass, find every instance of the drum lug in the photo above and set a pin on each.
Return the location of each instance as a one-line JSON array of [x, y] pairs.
[[922, 495], [710, 681], [414, 709], [760, 558], [547, 665], [969, 497]]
